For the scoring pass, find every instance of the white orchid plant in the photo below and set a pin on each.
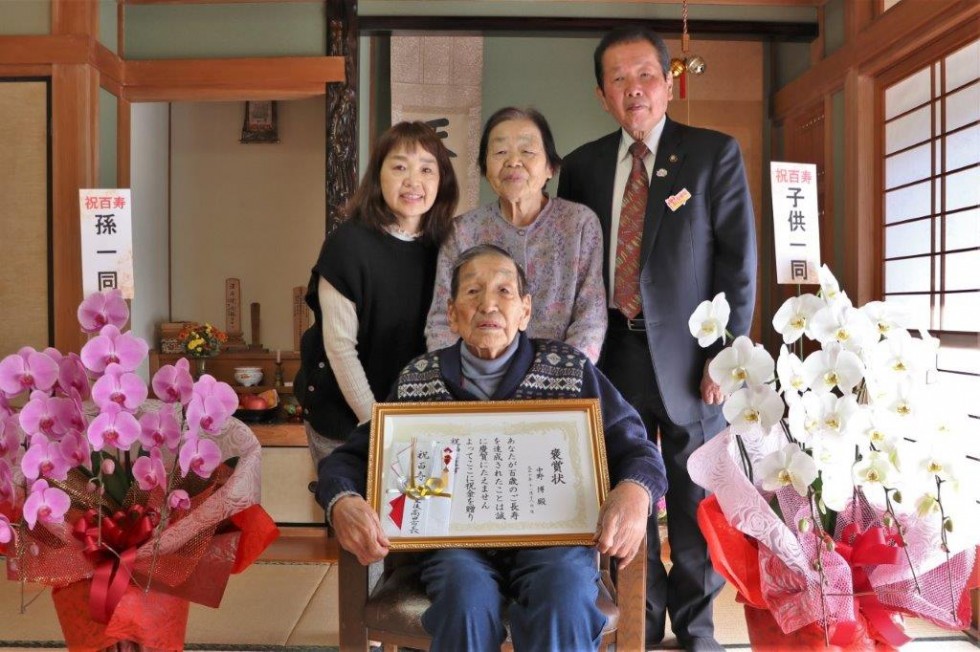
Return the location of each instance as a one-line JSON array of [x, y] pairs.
[[857, 414]]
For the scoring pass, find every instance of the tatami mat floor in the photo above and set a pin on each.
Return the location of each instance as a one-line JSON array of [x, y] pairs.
[[276, 606]]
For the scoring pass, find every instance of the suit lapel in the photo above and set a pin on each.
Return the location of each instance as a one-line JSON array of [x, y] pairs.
[[670, 158], [605, 178]]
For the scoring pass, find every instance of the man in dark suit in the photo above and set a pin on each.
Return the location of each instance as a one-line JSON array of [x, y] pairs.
[[679, 228]]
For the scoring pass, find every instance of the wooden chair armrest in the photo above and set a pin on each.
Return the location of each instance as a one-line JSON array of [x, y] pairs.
[[631, 594], [352, 594]]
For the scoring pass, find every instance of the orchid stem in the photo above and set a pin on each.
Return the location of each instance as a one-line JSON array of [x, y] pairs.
[[746, 460], [890, 509], [942, 532], [820, 534]]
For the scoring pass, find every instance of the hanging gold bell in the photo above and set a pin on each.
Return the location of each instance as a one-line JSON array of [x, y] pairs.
[[676, 67], [696, 65]]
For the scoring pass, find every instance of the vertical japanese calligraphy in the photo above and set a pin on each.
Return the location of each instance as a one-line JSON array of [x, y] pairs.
[[796, 222], [107, 240]]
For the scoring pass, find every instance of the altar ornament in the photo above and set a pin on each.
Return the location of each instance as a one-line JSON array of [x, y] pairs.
[[839, 499], [127, 508]]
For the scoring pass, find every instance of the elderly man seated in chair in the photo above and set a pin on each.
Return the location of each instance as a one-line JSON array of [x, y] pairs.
[[549, 593]]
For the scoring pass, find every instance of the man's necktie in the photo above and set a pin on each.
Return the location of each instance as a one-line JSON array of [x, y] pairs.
[[627, 292]]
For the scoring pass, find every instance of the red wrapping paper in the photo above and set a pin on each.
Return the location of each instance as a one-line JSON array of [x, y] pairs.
[[154, 620]]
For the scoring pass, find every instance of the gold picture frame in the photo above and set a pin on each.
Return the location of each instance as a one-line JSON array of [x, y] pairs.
[[487, 474], [261, 123]]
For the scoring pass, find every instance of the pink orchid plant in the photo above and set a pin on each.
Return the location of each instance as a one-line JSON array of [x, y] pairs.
[[85, 426]]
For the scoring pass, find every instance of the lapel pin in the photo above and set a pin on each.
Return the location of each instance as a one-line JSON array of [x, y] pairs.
[[672, 158], [662, 172], [676, 201]]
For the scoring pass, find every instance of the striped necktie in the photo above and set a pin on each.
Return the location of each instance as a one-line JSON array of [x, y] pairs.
[[626, 295]]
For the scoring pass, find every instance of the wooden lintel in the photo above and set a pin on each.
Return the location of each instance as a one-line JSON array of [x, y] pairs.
[[25, 70], [108, 63], [268, 72], [225, 93], [901, 30], [67, 49]]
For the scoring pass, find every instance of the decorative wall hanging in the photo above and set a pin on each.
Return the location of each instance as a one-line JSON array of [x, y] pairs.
[[261, 123]]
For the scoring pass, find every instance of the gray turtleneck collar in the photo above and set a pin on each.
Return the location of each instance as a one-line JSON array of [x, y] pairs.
[[482, 377]]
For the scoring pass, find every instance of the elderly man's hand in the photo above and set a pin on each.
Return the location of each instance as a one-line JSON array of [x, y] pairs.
[[358, 529], [710, 390], [623, 521]]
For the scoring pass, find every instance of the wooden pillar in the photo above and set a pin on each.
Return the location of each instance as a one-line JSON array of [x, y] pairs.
[[341, 110], [74, 131], [862, 246]]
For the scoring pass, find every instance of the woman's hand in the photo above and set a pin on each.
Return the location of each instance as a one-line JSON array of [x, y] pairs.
[[358, 529], [623, 522]]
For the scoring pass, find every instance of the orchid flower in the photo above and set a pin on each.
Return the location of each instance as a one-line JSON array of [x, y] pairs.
[[75, 449], [829, 414], [7, 486], [72, 376], [27, 370], [874, 469], [787, 466], [709, 320], [179, 500], [199, 455], [110, 346], [887, 318], [6, 531], [101, 309], [829, 286], [42, 414], [121, 387], [173, 383], [741, 363], [789, 370], [754, 406], [792, 319], [44, 458], [10, 436], [45, 504], [149, 471], [211, 404], [113, 427], [841, 322], [832, 367], [901, 356], [159, 429]]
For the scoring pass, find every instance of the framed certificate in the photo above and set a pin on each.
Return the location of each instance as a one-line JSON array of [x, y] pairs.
[[487, 473]]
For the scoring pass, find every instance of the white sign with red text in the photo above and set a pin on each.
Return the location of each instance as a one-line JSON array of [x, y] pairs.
[[107, 240], [796, 222]]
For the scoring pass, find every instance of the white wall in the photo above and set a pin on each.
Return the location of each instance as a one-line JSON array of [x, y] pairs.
[[253, 212], [150, 183]]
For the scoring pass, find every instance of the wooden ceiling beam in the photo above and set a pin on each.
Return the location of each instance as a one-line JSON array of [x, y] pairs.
[[742, 29], [70, 49]]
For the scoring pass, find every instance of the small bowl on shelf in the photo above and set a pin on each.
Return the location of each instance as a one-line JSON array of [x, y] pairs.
[[256, 416], [248, 376]]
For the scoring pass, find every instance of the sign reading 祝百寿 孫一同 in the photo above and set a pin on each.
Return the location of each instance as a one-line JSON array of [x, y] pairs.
[[107, 240]]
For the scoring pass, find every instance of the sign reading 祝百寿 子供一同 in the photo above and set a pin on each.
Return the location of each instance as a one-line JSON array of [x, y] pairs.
[[107, 240], [796, 222]]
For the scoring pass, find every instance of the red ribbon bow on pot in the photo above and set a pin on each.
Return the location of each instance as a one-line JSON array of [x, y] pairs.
[[873, 547], [111, 543]]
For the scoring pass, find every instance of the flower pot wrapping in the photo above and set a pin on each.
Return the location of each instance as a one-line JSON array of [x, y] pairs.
[[866, 580], [223, 532], [154, 620], [765, 635]]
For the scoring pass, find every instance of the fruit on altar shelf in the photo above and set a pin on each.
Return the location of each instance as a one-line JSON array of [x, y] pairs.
[[254, 402], [271, 397]]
